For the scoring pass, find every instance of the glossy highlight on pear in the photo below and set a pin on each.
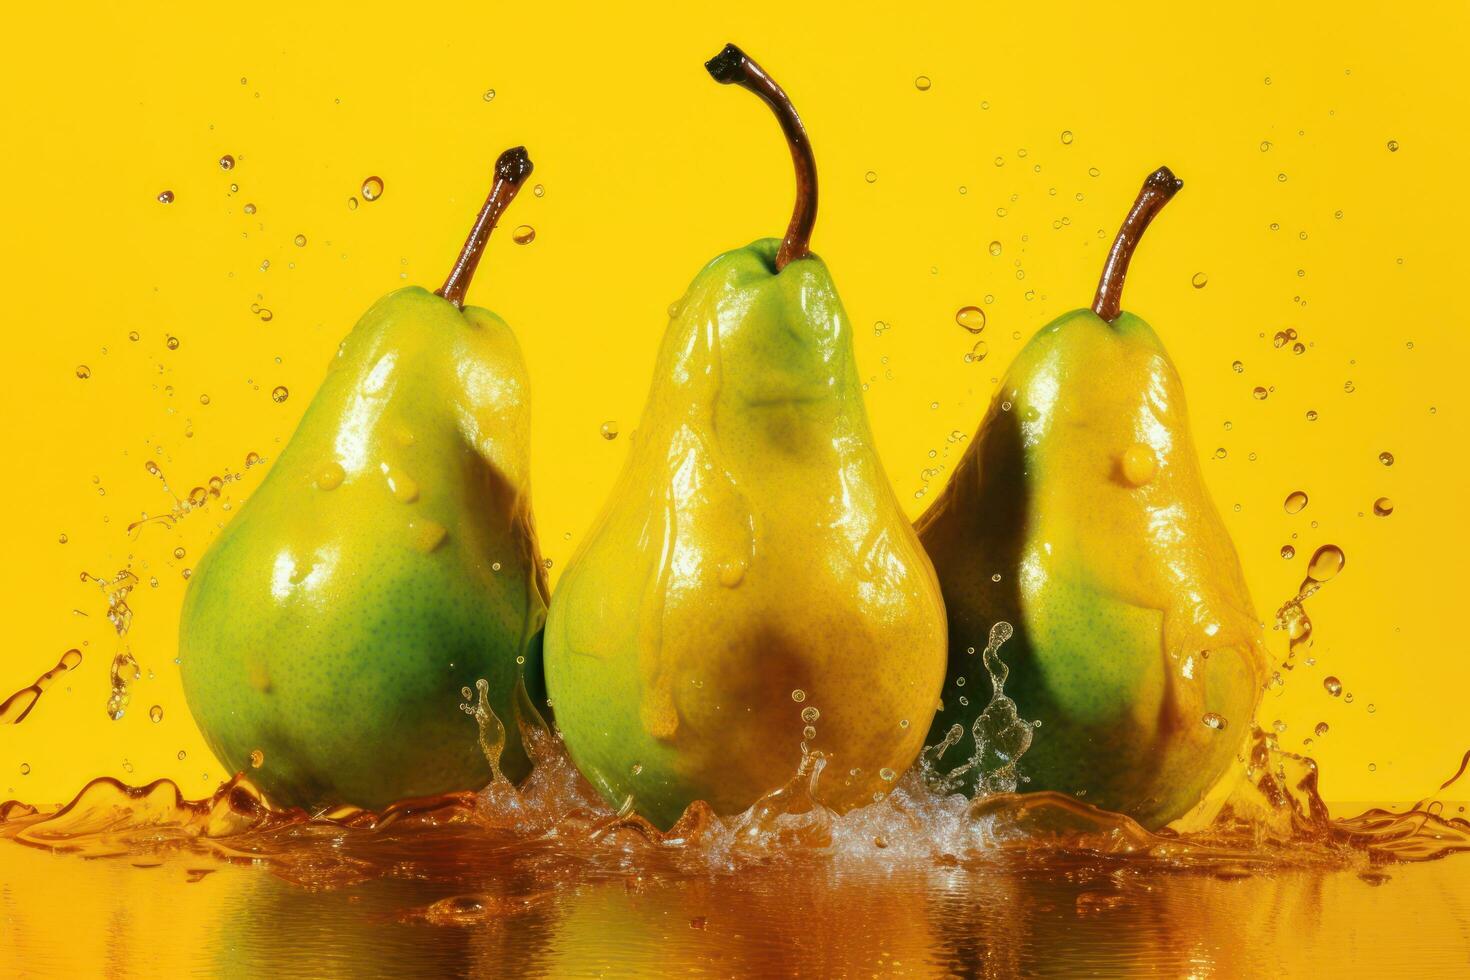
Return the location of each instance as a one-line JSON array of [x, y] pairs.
[[387, 560], [751, 600], [1079, 514]]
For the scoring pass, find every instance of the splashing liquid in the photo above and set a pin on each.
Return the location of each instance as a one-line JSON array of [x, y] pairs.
[[14, 709], [1000, 735], [498, 858]]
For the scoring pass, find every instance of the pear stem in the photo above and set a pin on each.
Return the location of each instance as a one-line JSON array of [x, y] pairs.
[[734, 67], [511, 170], [1160, 186]]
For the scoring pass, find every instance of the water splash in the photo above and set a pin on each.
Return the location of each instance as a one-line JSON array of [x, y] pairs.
[[14, 709], [1001, 736]]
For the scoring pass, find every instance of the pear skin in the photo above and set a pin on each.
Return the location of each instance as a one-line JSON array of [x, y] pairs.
[[1079, 514], [387, 561], [751, 592]]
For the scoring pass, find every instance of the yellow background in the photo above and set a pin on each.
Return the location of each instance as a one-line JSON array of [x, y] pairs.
[[649, 170]]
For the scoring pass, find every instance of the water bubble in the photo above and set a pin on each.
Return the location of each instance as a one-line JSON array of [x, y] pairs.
[[1066, 137], [257, 759], [166, 197], [251, 459], [808, 732], [489, 95], [279, 394], [1259, 393], [1393, 146], [810, 714], [372, 189], [1281, 177], [1332, 686], [352, 204], [1349, 387], [178, 552], [300, 241], [172, 343], [1237, 367], [63, 539], [1215, 721], [183, 755], [609, 430], [977, 353], [1198, 280], [1295, 501], [1326, 562], [133, 335], [972, 318], [1311, 415], [1386, 458], [871, 177], [1383, 506], [83, 372], [1265, 145], [995, 248], [249, 209], [1321, 729], [798, 695], [155, 713], [922, 83], [523, 235], [1288, 552], [539, 190], [227, 162], [888, 775], [25, 768]]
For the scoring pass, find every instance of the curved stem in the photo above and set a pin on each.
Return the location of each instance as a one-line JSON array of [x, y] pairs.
[[733, 67], [1160, 186], [511, 170]]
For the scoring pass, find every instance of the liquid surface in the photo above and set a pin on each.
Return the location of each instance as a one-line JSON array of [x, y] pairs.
[[548, 879]]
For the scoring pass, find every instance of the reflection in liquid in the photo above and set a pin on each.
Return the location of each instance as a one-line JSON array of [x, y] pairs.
[[545, 879]]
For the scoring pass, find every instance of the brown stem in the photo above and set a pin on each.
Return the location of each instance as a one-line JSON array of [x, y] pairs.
[[733, 67], [1160, 186], [511, 170]]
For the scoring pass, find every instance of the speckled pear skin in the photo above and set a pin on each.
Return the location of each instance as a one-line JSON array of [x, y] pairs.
[[1131, 612], [752, 547], [334, 621]]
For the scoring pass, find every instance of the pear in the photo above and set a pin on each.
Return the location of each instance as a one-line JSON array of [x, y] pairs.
[[751, 600], [387, 561], [1079, 515]]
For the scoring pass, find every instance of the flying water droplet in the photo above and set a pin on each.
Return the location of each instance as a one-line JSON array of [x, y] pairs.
[[972, 318], [279, 394], [1198, 280], [372, 189], [523, 235], [166, 197], [1295, 501], [1332, 686], [1326, 562], [609, 430], [1383, 506]]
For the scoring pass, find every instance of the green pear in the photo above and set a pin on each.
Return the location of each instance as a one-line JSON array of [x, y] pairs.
[[1079, 515], [751, 596], [387, 561]]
